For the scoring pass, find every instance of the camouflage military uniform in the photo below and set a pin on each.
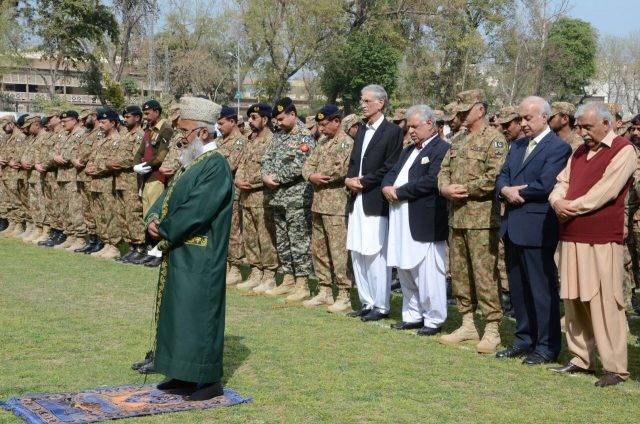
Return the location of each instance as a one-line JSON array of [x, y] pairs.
[[55, 207], [291, 202], [258, 229], [103, 203], [36, 180], [632, 242], [329, 235], [22, 177], [126, 187], [15, 144], [574, 140], [83, 180], [475, 162], [231, 147], [71, 210], [172, 159], [4, 208]]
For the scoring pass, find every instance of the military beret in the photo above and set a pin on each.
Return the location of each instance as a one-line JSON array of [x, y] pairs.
[[328, 111], [635, 120], [84, 113], [228, 112], [69, 114], [44, 120], [262, 109], [507, 114], [284, 105], [30, 120], [132, 110], [400, 115], [21, 119], [562, 107], [349, 121], [152, 104], [109, 114], [198, 109], [450, 111], [467, 99]]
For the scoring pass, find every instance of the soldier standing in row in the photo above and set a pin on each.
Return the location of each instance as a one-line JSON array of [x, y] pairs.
[[36, 195], [231, 146], [467, 178], [562, 121], [290, 199], [326, 168], [14, 144], [257, 221]]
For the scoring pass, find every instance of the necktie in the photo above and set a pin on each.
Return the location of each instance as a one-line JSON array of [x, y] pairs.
[[530, 147]]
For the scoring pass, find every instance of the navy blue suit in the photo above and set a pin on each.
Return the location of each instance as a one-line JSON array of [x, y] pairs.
[[530, 232]]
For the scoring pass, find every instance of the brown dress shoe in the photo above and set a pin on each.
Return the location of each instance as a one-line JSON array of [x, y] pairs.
[[570, 368], [609, 379]]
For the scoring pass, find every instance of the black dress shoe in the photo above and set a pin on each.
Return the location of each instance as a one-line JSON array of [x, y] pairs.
[[512, 352], [154, 262], [124, 258], [571, 369], [362, 312], [175, 384], [407, 325], [206, 392], [47, 243], [62, 237], [609, 379], [535, 358], [374, 315], [148, 358], [428, 331], [96, 247], [143, 259], [135, 256]]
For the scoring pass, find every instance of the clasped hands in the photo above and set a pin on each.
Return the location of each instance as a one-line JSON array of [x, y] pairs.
[[512, 194], [564, 210], [152, 229]]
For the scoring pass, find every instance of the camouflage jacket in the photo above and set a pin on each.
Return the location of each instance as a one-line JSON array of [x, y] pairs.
[[15, 145], [330, 158], [84, 151], [25, 155], [68, 149], [574, 140], [122, 153], [283, 158], [102, 182], [172, 159], [474, 161], [249, 169], [231, 148], [34, 157]]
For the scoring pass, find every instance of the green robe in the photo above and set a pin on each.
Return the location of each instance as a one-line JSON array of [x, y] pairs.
[[195, 220]]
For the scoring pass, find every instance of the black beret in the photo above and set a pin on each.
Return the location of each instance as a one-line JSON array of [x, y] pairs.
[[109, 114], [327, 112], [284, 105], [69, 114], [228, 112], [636, 119], [44, 120], [21, 119], [152, 104], [132, 110], [261, 109]]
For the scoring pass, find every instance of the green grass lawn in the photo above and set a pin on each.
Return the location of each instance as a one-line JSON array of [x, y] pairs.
[[71, 322]]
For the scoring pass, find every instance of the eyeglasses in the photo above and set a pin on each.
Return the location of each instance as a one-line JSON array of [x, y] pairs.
[[183, 140]]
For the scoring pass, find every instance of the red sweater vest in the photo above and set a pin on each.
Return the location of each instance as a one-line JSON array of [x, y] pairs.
[[605, 225], [149, 153]]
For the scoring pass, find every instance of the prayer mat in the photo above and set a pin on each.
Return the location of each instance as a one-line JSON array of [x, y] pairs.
[[108, 403]]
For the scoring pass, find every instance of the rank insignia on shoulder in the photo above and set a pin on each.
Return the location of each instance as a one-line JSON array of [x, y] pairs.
[[498, 144], [304, 148], [344, 145]]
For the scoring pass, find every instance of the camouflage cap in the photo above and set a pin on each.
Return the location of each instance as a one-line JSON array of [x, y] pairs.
[[507, 114], [5, 119], [399, 115], [349, 121], [628, 117], [450, 110], [30, 120], [562, 107], [439, 115], [468, 99], [54, 111], [615, 109], [86, 112]]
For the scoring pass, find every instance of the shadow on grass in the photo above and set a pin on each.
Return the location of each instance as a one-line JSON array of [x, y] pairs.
[[235, 354]]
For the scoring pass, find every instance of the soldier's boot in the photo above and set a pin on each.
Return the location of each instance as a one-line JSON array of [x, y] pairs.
[[79, 243], [68, 242], [254, 280], [490, 339], [30, 233], [110, 252], [301, 291], [36, 233], [287, 286], [466, 332], [9, 229], [234, 276], [26, 230], [18, 229], [323, 298], [44, 235], [268, 282], [97, 253], [342, 304]]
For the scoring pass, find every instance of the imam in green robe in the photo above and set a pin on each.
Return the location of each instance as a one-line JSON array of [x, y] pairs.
[[195, 220]]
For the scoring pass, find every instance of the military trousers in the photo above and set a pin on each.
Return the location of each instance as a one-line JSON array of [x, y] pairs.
[[329, 252], [74, 218], [129, 212], [19, 191], [293, 240], [5, 199], [36, 202], [502, 267], [259, 238], [87, 216], [104, 209], [473, 257], [236, 253]]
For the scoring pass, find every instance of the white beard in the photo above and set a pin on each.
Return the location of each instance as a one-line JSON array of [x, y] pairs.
[[191, 152]]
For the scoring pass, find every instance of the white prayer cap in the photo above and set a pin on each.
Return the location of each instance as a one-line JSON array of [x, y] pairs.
[[198, 109]]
